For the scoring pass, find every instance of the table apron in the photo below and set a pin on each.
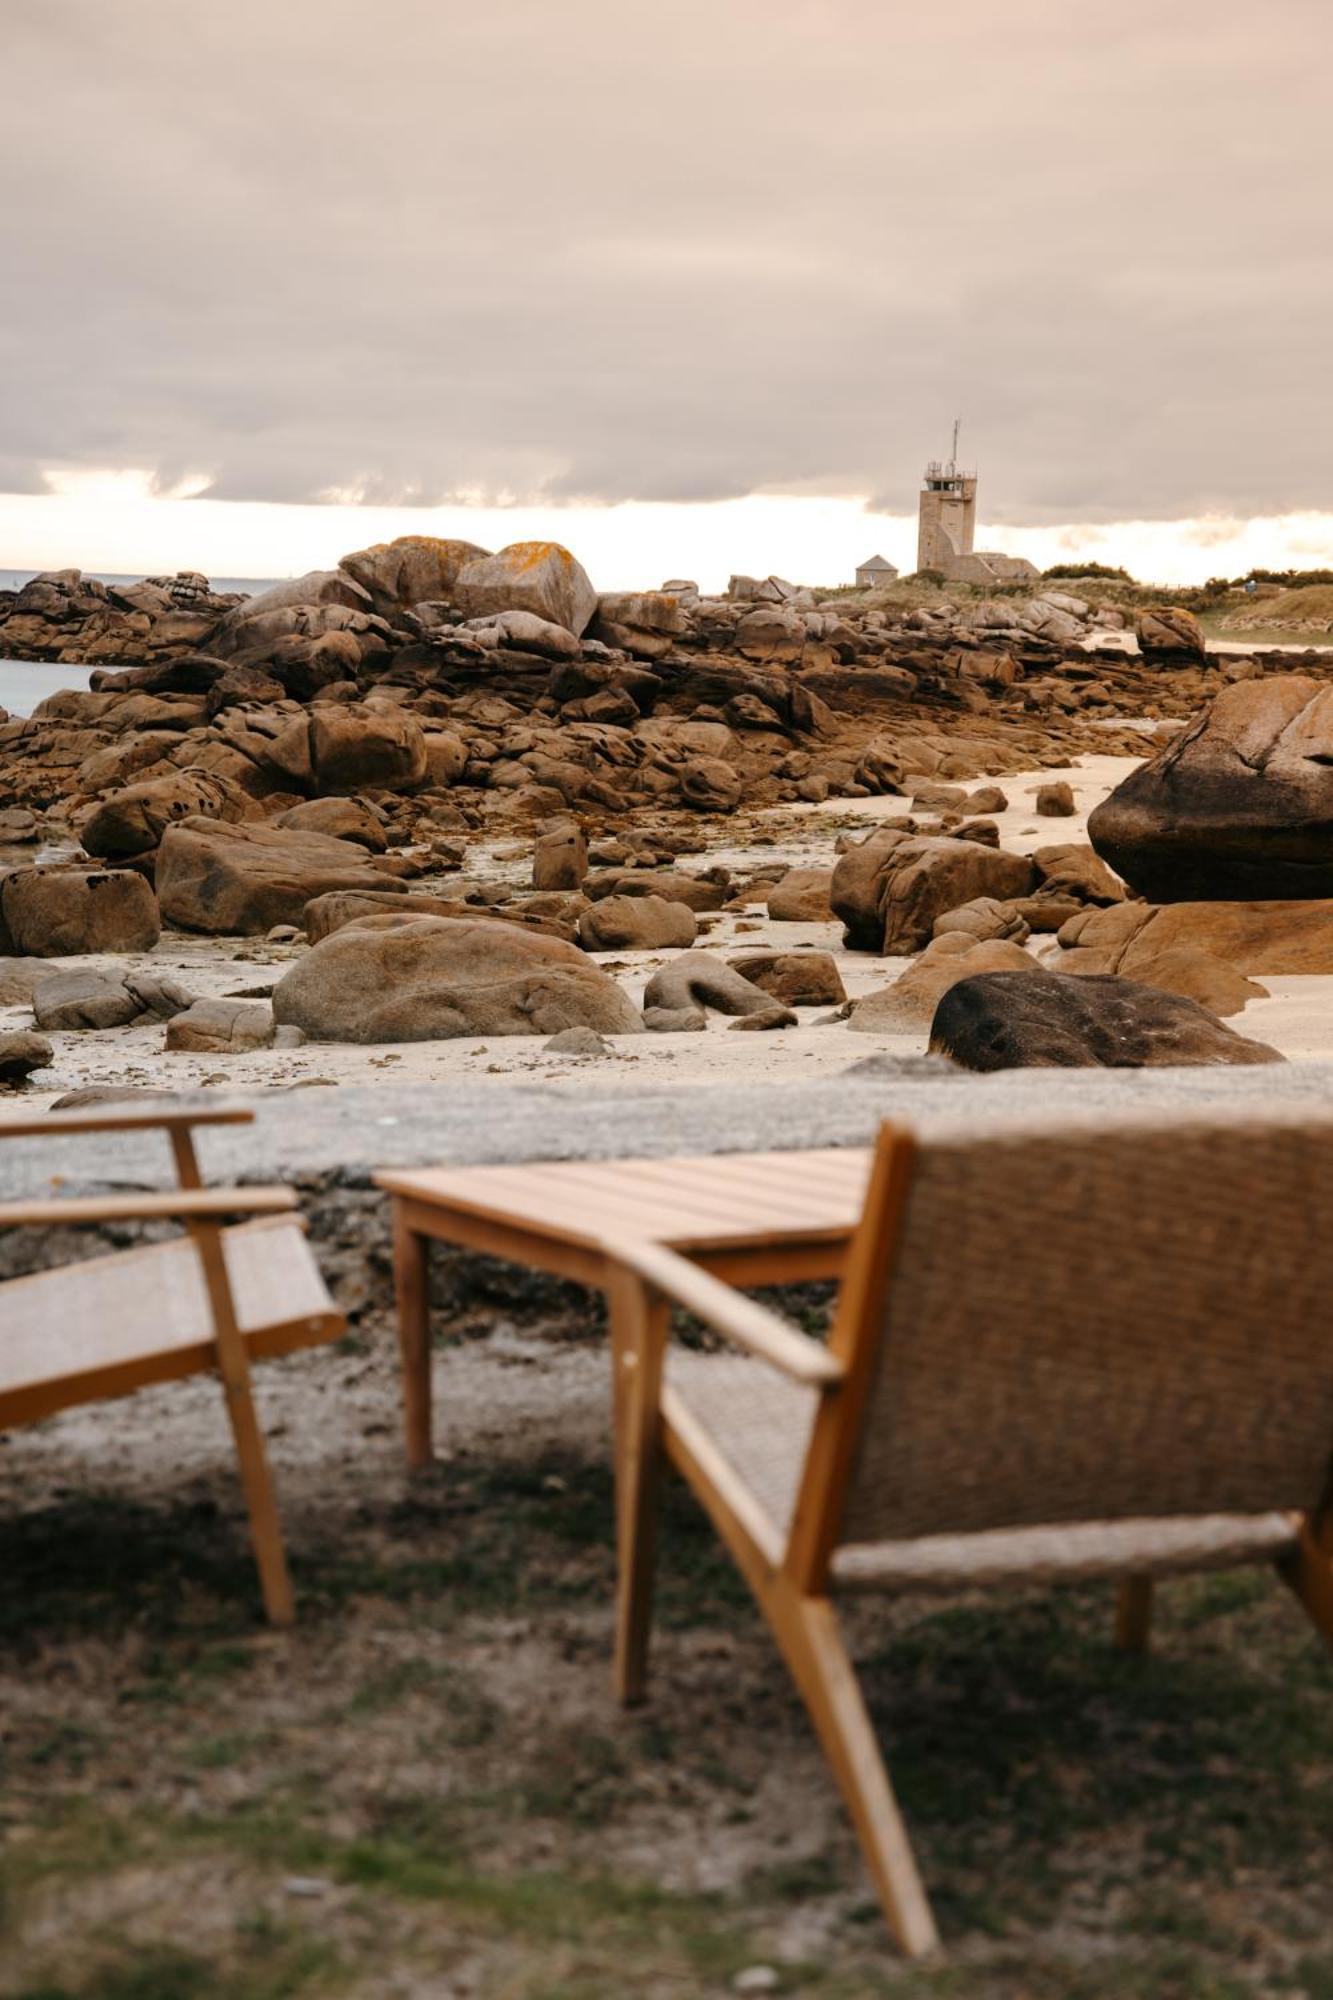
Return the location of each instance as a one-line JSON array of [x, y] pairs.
[[790, 1262]]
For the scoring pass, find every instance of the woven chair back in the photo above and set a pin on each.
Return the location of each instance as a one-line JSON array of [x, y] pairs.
[[1093, 1326]]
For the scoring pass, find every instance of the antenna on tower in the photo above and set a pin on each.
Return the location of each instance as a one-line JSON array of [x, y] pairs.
[[953, 461]]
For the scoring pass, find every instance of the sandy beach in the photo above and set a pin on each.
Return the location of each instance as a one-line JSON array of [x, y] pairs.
[[1297, 1018]]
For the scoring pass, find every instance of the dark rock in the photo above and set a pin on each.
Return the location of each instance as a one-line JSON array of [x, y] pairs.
[[1021, 1020], [1238, 808], [21, 1054]]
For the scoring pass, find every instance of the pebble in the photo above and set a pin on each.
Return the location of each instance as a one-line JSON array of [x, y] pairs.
[[315, 1885]]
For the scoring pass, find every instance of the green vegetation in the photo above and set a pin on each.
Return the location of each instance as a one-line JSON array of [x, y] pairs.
[[1085, 570]]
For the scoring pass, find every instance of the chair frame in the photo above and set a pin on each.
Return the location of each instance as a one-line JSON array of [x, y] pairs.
[[791, 1577], [202, 1210]]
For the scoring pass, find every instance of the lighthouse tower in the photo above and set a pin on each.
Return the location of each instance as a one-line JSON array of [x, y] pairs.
[[946, 513]]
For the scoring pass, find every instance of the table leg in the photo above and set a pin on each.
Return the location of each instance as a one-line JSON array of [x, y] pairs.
[[411, 1271], [639, 1325]]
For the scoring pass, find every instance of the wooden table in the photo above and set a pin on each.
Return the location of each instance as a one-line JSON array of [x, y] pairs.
[[751, 1218]]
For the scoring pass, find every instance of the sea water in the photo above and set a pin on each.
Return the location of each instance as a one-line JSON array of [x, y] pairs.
[[24, 683]]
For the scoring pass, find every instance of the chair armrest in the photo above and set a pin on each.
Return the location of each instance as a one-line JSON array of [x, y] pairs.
[[728, 1311], [182, 1204], [108, 1119]]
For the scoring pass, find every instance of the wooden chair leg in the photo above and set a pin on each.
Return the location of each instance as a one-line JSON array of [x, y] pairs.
[[1309, 1573], [261, 1503], [411, 1271], [807, 1631], [1133, 1614], [251, 1457], [638, 1344]]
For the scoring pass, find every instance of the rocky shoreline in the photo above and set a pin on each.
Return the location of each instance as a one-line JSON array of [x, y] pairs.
[[449, 794]]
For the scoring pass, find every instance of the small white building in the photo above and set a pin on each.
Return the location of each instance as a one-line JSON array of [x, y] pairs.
[[876, 571]]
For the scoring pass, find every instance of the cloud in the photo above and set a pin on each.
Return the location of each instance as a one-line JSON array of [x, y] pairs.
[[430, 254]]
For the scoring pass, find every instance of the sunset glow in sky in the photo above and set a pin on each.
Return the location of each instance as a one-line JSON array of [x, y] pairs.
[[116, 523]]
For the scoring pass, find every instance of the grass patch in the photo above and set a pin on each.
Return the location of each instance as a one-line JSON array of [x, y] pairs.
[[1056, 1792], [269, 1961]]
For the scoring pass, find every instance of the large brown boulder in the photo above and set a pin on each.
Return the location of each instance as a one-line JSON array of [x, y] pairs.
[[1045, 1020], [559, 856], [62, 912], [889, 889], [1073, 869], [541, 577], [1257, 938], [1177, 958], [317, 586], [698, 891], [131, 822], [341, 819], [434, 980], [411, 570], [354, 747], [20, 978], [82, 998], [710, 784], [795, 978], [696, 980], [801, 897], [241, 880], [1166, 632], [1239, 807], [446, 757], [1211, 951], [221, 1027], [636, 923], [340, 907], [643, 622], [772, 634]]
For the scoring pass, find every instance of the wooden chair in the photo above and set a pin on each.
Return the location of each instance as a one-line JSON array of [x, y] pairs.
[[213, 1298], [1058, 1355]]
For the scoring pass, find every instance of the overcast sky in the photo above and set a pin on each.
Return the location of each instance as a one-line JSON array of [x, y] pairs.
[[600, 251]]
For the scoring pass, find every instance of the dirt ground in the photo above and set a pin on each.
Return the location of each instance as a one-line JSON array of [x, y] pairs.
[[426, 1789]]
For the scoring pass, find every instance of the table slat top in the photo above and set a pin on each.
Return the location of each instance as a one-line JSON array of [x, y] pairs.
[[689, 1202]]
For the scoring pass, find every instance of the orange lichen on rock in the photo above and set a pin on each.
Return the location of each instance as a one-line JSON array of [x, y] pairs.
[[541, 577]]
